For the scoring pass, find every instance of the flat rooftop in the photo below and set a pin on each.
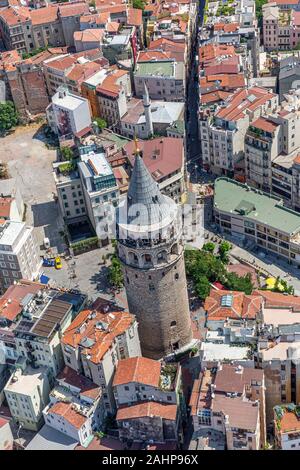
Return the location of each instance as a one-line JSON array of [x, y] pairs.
[[280, 316], [10, 231], [239, 199], [27, 381], [280, 351], [156, 68], [68, 101], [95, 164], [219, 352]]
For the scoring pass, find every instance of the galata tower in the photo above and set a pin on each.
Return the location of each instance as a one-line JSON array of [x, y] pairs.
[[150, 248]]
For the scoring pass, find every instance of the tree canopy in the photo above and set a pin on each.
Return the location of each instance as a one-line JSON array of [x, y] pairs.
[[139, 4], [8, 116], [115, 274], [203, 267]]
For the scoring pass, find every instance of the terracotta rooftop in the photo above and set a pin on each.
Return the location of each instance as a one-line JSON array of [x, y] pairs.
[[227, 81], [289, 422], [264, 124], [10, 302], [5, 205], [156, 153], [241, 414], [214, 96], [81, 72], [147, 409], [138, 369], [44, 15], [243, 101], [134, 17], [73, 9], [98, 333], [89, 35], [13, 16], [211, 51], [230, 378], [86, 386], [277, 299], [109, 86], [105, 443], [222, 304], [67, 411], [226, 27], [98, 18]]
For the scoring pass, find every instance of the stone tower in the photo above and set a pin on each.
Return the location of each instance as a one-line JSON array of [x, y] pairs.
[[147, 111], [150, 249]]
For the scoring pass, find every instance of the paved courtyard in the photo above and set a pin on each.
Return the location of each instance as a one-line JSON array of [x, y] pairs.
[[30, 162]]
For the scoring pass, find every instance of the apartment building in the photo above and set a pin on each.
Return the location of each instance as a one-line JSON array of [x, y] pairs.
[[75, 407], [68, 115], [112, 95], [72, 70], [247, 213], [223, 132], [165, 79], [19, 253], [100, 191], [271, 147], [150, 421], [44, 319], [95, 342], [15, 26], [27, 394], [287, 427], [279, 361], [12, 304], [70, 193], [281, 28], [231, 403], [140, 379], [27, 29]]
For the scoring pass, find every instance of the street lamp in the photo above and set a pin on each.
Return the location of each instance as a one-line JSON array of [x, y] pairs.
[[18, 432]]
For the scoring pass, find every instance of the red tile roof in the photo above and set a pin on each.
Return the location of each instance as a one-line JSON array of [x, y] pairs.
[[73, 9], [134, 17], [86, 386], [156, 153], [289, 422], [239, 103], [147, 409], [10, 302], [242, 305], [264, 124], [109, 86], [118, 323], [277, 299], [13, 16], [211, 51], [44, 15], [68, 412], [138, 369], [5, 205]]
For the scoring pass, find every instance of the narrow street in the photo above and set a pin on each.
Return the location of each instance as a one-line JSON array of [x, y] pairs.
[[192, 99]]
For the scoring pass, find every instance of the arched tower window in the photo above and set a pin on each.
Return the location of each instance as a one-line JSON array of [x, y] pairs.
[[173, 323], [162, 256]]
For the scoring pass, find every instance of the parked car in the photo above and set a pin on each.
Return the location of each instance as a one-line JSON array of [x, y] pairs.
[[58, 264], [48, 262]]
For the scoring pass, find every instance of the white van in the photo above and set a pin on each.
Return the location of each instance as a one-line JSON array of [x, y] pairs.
[[46, 243]]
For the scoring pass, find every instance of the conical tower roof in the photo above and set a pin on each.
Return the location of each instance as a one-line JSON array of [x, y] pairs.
[[145, 203]]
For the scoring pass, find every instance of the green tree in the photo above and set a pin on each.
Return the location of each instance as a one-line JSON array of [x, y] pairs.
[[209, 246], [240, 283], [202, 287], [115, 274], [139, 4], [67, 153], [101, 123], [8, 116], [223, 251]]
